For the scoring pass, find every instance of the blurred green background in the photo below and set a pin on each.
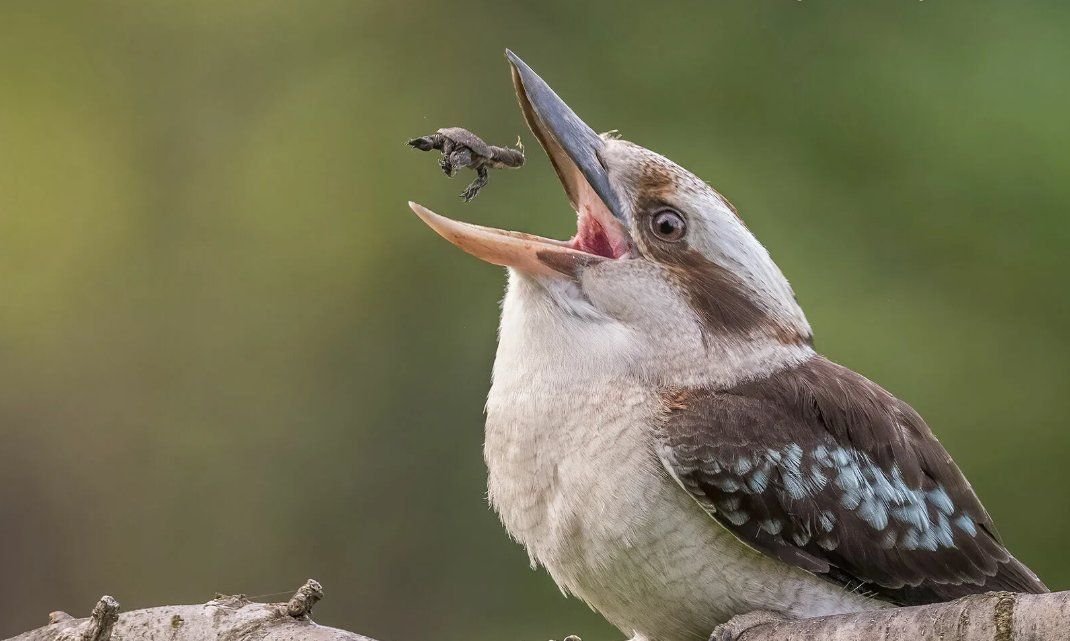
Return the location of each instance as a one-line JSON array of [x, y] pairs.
[[231, 359]]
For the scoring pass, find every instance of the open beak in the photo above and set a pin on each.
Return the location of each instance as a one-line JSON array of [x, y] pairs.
[[577, 154]]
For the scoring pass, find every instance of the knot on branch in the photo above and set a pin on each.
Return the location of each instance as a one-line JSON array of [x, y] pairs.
[[102, 620], [229, 601], [300, 604]]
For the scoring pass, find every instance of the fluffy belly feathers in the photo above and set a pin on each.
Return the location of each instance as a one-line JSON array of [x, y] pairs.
[[576, 480]]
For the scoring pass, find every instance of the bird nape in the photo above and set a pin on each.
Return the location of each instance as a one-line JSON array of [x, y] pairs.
[[661, 435]]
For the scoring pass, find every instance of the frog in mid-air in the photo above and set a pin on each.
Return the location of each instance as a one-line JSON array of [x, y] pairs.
[[461, 148]]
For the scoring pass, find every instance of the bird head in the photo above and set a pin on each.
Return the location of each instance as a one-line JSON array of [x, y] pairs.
[[662, 274]]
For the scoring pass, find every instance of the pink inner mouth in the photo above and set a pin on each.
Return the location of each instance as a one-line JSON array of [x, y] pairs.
[[593, 237]]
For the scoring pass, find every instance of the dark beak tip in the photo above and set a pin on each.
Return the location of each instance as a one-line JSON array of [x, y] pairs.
[[549, 116], [523, 75]]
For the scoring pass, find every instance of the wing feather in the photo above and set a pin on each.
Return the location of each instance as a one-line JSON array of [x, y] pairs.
[[823, 469]]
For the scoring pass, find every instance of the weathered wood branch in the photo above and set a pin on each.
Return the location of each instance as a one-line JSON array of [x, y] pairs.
[[230, 618], [998, 616]]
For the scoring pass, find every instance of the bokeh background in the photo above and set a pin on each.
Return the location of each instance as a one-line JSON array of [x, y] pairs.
[[231, 359]]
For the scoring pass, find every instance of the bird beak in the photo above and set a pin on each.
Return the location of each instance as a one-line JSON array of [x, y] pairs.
[[526, 252], [577, 154], [574, 148]]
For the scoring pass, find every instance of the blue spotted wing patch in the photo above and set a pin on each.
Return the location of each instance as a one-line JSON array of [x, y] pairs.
[[821, 468]]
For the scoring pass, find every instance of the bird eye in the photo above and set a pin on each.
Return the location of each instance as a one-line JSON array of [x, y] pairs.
[[668, 225]]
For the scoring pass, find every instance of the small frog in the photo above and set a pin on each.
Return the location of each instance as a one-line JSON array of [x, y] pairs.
[[462, 148]]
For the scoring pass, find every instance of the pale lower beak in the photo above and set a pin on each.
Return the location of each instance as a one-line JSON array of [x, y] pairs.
[[526, 252]]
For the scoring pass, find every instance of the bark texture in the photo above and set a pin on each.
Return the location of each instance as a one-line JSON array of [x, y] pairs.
[[997, 616], [225, 618]]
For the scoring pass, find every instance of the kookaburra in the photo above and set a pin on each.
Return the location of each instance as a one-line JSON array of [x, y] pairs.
[[661, 435]]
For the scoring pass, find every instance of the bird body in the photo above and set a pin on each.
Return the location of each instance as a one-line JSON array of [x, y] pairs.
[[661, 435], [574, 474]]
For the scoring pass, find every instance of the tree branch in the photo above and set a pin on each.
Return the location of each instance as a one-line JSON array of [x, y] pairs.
[[225, 617], [997, 616]]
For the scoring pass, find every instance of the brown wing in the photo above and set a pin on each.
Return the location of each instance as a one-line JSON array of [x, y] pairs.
[[823, 469]]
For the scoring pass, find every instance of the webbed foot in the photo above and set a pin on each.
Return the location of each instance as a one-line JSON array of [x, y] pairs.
[[472, 189], [447, 166]]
